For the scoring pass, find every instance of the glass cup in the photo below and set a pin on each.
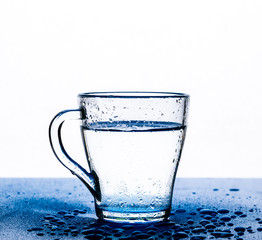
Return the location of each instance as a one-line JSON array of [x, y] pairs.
[[133, 143]]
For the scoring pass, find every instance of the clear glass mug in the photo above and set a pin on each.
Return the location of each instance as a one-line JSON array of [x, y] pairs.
[[133, 143]]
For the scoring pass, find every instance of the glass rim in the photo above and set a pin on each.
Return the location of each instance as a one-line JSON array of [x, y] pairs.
[[133, 94]]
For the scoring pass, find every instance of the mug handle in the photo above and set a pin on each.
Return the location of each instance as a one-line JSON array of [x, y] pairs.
[[89, 179]]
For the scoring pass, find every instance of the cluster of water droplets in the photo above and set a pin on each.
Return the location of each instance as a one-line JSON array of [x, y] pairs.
[[206, 222]]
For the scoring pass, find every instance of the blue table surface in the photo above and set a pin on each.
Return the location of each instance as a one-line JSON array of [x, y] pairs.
[[38, 208]]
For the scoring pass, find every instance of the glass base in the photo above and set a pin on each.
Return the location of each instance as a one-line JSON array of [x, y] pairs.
[[132, 217]]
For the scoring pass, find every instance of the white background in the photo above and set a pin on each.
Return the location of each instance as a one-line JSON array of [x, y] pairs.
[[52, 50]]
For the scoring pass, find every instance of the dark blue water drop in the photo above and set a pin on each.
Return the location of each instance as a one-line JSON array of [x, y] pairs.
[[124, 238], [190, 221], [40, 234], [239, 229], [75, 231], [72, 227], [223, 211], [60, 222], [151, 228], [222, 234], [179, 235], [225, 219], [69, 215], [53, 228], [82, 211], [238, 212], [167, 233], [204, 222], [143, 236], [49, 217], [234, 189], [207, 217], [54, 220], [134, 233], [94, 236], [151, 232], [127, 227], [115, 230], [118, 234], [61, 212], [105, 227], [176, 226], [198, 230], [181, 210], [197, 237], [207, 212], [210, 226], [36, 229]]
